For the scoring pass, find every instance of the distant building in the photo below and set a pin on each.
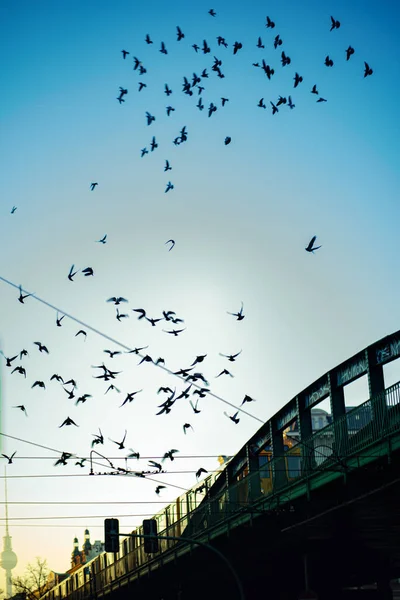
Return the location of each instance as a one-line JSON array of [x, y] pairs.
[[88, 551]]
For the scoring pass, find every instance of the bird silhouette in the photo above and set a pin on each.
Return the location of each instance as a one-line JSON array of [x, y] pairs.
[[194, 406], [150, 118], [143, 152], [227, 140], [349, 52], [367, 70], [68, 421], [334, 24], [130, 397], [212, 12], [169, 110], [71, 273], [206, 48], [277, 41], [63, 459], [81, 332], [233, 417], [259, 43], [23, 353], [14, 208], [57, 378], [41, 347], [10, 360], [221, 41], [200, 471], [247, 399], [267, 69], [20, 370], [103, 239], [285, 59], [112, 387], [163, 49], [59, 319], [98, 438], [93, 185], [321, 100], [224, 372], [180, 34], [117, 300], [269, 23], [80, 462], [124, 53], [112, 353], [174, 332], [239, 314], [172, 242], [311, 247], [88, 271], [120, 444], [167, 166], [169, 454], [186, 426], [261, 103], [120, 316], [21, 407], [314, 90], [9, 458], [141, 85], [136, 350], [237, 46], [153, 144], [169, 187], [328, 61], [70, 393], [195, 47], [147, 39], [22, 296], [297, 79], [133, 454], [155, 465], [159, 488], [82, 399], [231, 357], [281, 100]]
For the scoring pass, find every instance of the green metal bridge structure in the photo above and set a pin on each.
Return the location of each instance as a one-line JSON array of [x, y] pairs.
[[328, 524]]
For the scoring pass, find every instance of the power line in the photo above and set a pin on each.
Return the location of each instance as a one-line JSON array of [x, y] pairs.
[[126, 348]]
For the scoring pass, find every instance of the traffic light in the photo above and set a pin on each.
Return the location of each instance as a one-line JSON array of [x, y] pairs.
[[150, 529], [111, 533]]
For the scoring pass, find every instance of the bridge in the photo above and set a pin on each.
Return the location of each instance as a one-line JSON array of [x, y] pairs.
[[299, 513]]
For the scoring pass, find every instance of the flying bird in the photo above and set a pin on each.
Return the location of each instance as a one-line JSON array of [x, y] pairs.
[[186, 426], [147, 39], [133, 454], [367, 70], [231, 357], [297, 79], [23, 353], [82, 398], [269, 23], [328, 61], [260, 44], [68, 421], [149, 118], [88, 271], [163, 49], [194, 406], [311, 247], [277, 41], [227, 140], [22, 296], [212, 12], [21, 407], [120, 444], [120, 316], [174, 332], [169, 454], [285, 59], [334, 24], [247, 399], [321, 100], [261, 103], [63, 459], [117, 300], [172, 244], [59, 319], [20, 370], [234, 417], [200, 471], [112, 353], [179, 33], [170, 186], [71, 273], [159, 488], [239, 314], [155, 465], [93, 185], [237, 46], [9, 458], [130, 397], [41, 347], [169, 110], [153, 144], [112, 387], [81, 332], [98, 438], [14, 208], [142, 85], [102, 240], [167, 166], [349, 52], [10, 359], [224, 372], [124, 53]]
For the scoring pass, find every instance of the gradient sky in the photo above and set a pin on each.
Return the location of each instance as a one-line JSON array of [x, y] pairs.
[[240, 214]]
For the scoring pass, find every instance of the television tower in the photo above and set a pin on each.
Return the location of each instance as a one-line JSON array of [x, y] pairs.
[[8, 559]]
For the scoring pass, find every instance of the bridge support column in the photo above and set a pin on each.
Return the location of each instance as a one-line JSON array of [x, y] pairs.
[[338, 409], [305, 430], [376, 384], [278, 454]]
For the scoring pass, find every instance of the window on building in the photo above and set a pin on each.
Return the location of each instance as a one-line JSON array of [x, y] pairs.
[[263, 465]]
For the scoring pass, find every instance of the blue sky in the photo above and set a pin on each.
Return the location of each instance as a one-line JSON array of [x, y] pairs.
[[240, 214]]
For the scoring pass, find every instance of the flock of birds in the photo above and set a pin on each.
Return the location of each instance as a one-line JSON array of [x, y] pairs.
[[196, 384]]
